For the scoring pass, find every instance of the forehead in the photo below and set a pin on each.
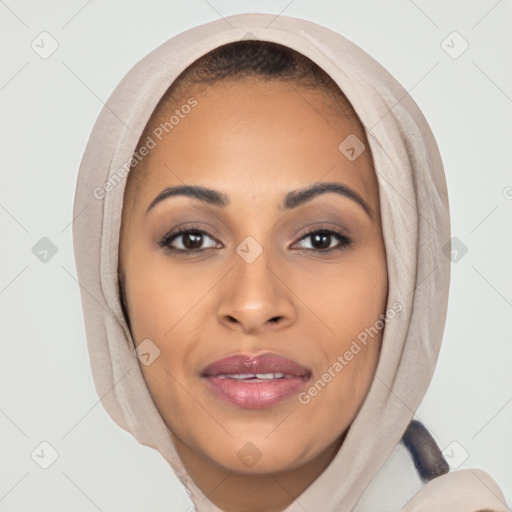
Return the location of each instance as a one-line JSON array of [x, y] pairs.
[[250, 134]]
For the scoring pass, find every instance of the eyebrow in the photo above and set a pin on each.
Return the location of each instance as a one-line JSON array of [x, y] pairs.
[[292, 199]]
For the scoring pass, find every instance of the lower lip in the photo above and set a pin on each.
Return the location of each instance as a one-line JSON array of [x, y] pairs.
[[255, 395]]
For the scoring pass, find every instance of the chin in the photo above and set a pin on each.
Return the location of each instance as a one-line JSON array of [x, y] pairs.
[[258, 454]]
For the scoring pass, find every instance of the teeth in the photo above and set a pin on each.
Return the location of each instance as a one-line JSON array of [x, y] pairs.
[[269, 375], [260, 376]]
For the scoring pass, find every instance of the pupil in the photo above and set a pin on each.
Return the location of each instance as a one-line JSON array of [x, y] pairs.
[[322, 239], [192, 241]]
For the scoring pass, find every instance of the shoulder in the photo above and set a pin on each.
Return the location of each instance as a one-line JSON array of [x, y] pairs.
[[467, 490], [398, 487]]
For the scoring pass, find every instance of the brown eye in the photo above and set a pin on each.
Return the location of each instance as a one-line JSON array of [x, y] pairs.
[[188, 240], [192, 240], [322, 240]]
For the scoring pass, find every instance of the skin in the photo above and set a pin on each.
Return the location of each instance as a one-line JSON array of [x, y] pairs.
[[255, 141]]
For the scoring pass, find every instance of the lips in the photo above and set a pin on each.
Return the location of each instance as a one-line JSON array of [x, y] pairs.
[[254, 382], [263, 364]]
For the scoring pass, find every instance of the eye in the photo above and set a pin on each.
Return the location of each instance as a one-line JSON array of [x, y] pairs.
[[325, 240], [188, 240], [194, 239]]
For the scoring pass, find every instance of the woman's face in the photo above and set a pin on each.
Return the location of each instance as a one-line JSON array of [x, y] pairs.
[[294, 276]]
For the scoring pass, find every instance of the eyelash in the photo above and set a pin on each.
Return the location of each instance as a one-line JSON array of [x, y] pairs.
[[344, 240]]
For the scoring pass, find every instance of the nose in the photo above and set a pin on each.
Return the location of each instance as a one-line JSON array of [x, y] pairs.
[[255, 298]]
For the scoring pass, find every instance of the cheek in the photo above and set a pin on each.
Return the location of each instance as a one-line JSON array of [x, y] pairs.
[[165, 305], [161, 298], [334, 397], [349, 299], [159, 307], [352, 311], [346, 297]]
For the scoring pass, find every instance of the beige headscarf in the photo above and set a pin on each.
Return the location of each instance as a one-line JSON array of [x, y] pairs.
[[415, 221]]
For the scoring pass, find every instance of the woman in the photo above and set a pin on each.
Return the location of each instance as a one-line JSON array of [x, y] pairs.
[[264, 284]]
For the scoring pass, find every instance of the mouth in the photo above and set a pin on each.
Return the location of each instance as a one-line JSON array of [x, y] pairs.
[[255, 382]]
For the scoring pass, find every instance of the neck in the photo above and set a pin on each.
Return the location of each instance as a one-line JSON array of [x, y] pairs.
[[240, 492]]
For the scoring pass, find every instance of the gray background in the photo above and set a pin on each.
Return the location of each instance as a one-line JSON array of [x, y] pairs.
[[49, 106]]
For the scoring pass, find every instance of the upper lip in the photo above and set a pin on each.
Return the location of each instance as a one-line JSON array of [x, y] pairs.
[[251, 364]]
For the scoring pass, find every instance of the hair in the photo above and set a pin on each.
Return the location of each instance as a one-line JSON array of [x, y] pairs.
[[426, 455], [257, 59]]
